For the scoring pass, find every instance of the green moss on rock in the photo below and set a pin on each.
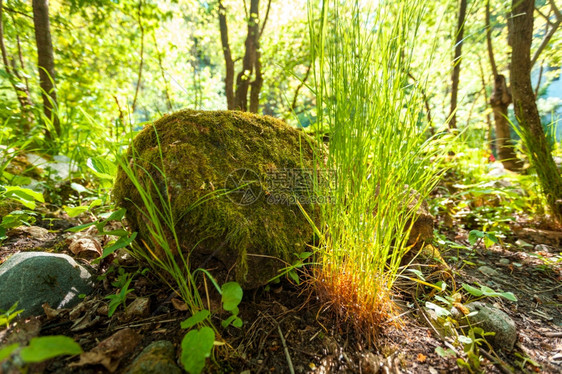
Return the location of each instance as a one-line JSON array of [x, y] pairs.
[[200, 150]]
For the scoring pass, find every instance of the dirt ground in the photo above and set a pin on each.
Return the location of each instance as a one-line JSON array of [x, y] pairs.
[[286, 327]]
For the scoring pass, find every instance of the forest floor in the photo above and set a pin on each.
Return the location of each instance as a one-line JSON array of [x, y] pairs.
[[287, 326]]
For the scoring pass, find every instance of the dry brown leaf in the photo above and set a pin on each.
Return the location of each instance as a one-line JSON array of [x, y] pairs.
[[87, 247], [111, 351], [179, 304], [50, 312]]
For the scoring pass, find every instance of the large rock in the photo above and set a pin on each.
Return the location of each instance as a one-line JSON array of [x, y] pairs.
[[35, 278], [258, 160], [158, 357], [491, 319]]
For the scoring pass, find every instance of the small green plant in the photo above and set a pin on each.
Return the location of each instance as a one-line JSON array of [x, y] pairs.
[[40, 349], [198, 343], [7, 316], [123, 281], [475, 236]]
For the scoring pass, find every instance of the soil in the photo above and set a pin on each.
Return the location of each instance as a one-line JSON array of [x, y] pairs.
[[286, 327]]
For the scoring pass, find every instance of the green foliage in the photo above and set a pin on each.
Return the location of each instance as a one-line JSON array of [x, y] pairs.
[[488, 292], [40, 349], [47, 347], [196, 347], [7, 316], [378, 147]]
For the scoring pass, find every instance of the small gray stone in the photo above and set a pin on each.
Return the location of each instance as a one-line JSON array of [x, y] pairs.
[[488, 271], [35, 278], [157, 357], [542, 248], [491, 319]]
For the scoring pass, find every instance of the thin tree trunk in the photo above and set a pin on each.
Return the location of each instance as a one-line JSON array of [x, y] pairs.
[[488, 119], [46, 64], [521, 35], [163, 74], [499, 101], [229, 63], [250, 57], [141, 63], [22, 92], [457, 64]]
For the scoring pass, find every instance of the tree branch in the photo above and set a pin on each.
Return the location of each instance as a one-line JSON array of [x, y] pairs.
[[489, 41]]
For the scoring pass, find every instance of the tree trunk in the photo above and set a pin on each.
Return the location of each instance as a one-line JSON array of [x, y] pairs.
[[22, 93], [250, 58], [46, 63], [499, 101], [229, 63], [521, 35], [457, 64]]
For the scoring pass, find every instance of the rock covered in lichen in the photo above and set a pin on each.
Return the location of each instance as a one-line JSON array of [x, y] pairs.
[[222, 169]]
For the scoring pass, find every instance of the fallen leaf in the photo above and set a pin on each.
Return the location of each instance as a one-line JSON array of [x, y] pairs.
[[50, 312], [422, 357], [111, 351], [179, 305], [86, 247]]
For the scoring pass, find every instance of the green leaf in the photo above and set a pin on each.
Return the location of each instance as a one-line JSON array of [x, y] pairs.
[[195, 319], [80, 227], [196, 348], [440, 311], [418, 273], [75, 211], [95, 203], [472, 290], [294, 276], [102, 168], [46, 347], [79, 188], [120, 243], [7, 351], [445, 352], [474, 235], [25, 196], [465, 339], [231, 295]]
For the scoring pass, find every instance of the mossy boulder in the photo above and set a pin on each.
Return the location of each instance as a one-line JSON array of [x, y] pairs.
[[222, 169]]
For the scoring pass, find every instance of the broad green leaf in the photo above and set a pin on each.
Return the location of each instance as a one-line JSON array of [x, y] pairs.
[[120, 243], [465, 339], [196, 347], [195, 319], [231, 295], [7, 351], [75, 211], [102, 168], [46, 347], [474, 235], [440, 311], [95, 203], [472, 290], [78, 188], [445, 352]]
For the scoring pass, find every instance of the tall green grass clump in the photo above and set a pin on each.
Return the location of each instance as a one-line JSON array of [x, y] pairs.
[[385, 166]]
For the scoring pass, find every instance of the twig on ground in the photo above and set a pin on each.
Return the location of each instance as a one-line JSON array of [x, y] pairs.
[[287, 355]]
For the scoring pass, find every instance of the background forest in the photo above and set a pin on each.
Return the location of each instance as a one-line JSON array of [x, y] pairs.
[[457, 102]]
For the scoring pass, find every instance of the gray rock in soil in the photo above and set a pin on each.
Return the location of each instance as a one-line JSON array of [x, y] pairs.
[[35, 278], [488, 271], [491, 319], [157, 357]]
